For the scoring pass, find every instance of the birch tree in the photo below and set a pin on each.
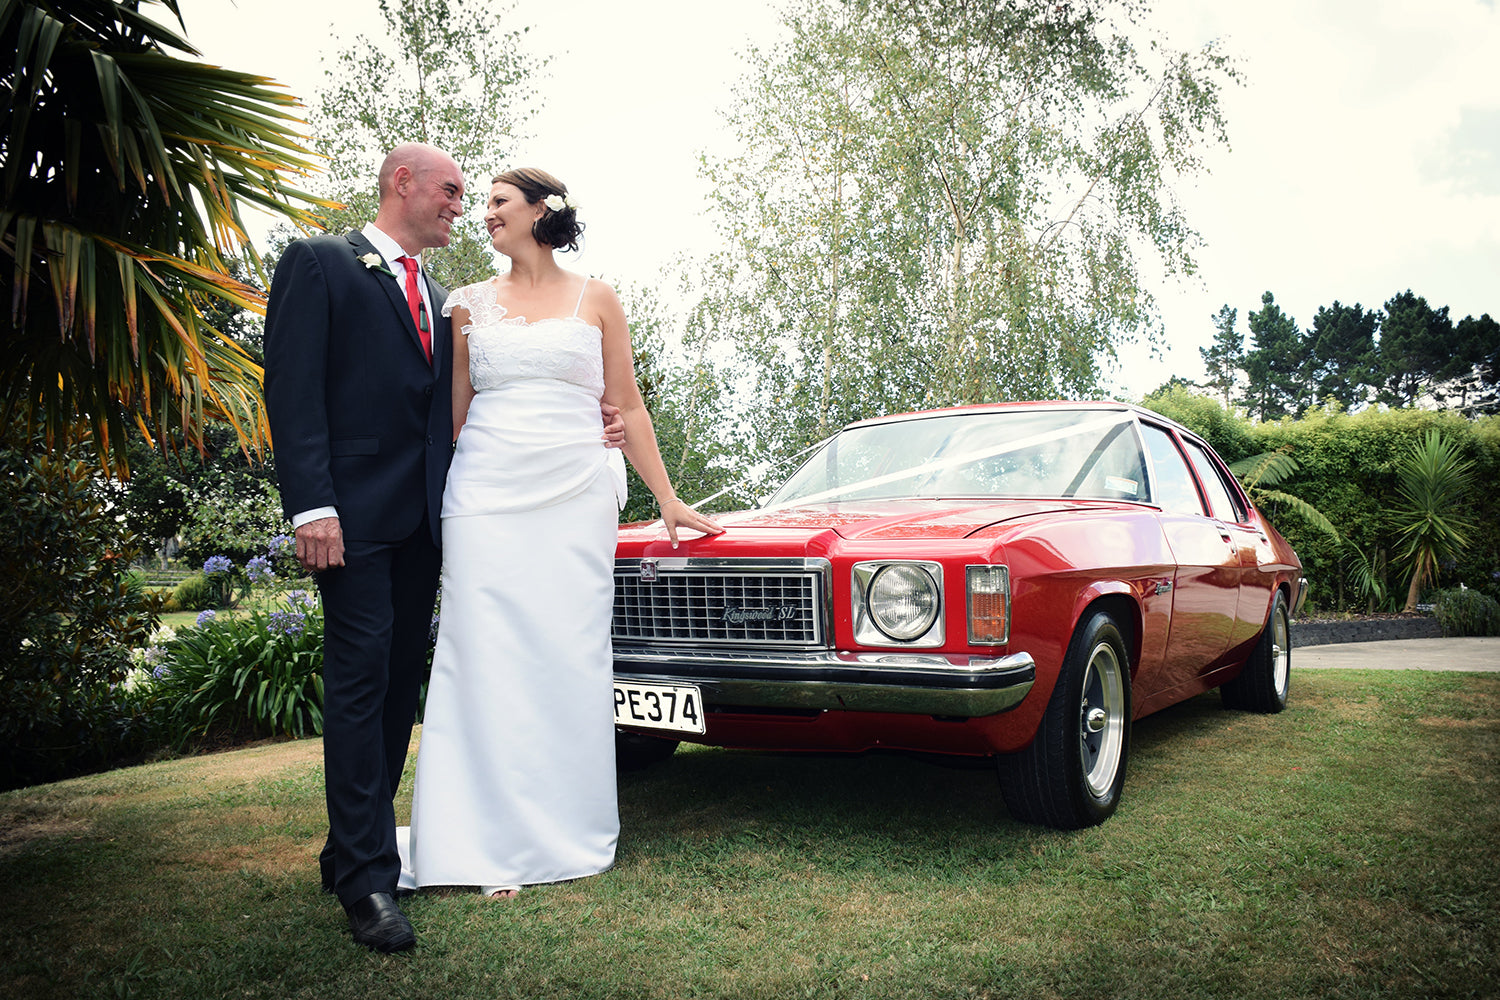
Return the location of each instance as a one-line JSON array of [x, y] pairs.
[[944, 201], [453, 73]]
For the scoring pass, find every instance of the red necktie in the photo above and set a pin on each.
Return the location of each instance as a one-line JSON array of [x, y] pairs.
[[418, 307]]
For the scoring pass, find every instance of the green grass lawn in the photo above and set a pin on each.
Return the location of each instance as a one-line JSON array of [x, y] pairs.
[[1346, 848], [180, 619], [260, 599]]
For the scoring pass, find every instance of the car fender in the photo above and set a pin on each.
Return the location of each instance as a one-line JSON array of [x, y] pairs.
[[1120, 594]]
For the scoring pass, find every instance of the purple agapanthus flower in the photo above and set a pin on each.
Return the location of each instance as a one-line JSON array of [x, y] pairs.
[[287, 623], [259, 570], [204, 617], [300, 599], [215, 565]]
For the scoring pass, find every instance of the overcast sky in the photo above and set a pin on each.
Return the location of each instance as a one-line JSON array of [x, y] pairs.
[[1365, 153]]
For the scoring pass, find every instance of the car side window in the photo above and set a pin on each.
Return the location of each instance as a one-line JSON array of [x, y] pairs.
[[1174, 489], [1220, 496]]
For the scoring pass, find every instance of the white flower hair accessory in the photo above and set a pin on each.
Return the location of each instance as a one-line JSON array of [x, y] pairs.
[[375, 262], [556, 202]]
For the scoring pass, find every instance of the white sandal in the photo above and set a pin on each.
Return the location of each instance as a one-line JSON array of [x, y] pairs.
[[500, 891]]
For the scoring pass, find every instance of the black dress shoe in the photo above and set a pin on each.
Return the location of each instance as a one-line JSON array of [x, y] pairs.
[[379, 924]]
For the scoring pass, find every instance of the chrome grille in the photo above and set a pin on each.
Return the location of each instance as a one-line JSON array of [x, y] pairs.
[[776, 602]]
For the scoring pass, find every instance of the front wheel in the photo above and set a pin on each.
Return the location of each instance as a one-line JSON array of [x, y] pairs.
[[634, 751], [1267, 676], [1072, 774]]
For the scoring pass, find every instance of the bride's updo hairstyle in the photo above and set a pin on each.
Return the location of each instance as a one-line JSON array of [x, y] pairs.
[[559, 228]]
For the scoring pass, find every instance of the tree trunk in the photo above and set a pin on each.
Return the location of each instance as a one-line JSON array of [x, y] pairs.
[[1418, 578]]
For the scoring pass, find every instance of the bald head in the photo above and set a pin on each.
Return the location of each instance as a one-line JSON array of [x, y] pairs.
[[417, 157], [421, 193]]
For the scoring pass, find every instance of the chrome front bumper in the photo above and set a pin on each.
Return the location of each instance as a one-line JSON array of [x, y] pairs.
[[908, 683]]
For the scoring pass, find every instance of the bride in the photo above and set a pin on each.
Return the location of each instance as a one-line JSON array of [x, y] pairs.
[[515, 778]]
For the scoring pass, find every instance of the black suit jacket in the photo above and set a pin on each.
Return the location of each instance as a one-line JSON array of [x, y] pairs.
[[359, 419]]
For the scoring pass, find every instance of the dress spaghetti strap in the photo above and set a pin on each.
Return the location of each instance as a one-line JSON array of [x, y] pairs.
[[579, 304]]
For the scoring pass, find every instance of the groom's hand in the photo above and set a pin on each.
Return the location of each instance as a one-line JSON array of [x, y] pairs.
[[614, 426], [320, 544]]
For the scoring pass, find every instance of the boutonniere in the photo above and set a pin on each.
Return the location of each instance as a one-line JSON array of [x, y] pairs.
[[376, 263]]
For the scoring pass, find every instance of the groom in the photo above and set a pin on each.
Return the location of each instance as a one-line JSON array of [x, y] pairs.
[[359, 395]]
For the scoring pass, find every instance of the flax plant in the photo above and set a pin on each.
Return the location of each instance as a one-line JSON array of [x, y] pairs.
[[1434, 479], [126, 164]]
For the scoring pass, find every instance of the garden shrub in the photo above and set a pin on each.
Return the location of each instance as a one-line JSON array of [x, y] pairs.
[[194, 593], [1467, 612], [1228, 434], [220, 501], [1347, 469], [70, 618], [260, 674]]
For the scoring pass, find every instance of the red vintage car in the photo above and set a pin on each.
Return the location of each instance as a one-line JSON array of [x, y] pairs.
[[1019, 581]]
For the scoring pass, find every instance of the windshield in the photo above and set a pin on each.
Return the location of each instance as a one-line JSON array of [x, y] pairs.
[[988, 453]]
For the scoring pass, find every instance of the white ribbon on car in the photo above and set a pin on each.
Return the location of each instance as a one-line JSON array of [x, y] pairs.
[[937, 465]]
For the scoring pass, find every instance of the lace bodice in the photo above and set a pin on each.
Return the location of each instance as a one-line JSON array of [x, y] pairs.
[[505, 348], [533, 432]]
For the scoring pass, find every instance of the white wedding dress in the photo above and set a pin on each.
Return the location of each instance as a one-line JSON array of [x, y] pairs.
[[515, 777]]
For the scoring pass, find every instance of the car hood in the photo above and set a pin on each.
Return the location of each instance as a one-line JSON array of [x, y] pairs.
[[892, 519]]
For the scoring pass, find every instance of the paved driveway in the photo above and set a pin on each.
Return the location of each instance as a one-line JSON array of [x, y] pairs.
[[1471, 654]]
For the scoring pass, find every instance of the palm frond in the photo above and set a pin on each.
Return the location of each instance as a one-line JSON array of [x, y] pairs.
[[1259, 474], [1312, 515], [1369, 575], [1269, 468], [126, 170]]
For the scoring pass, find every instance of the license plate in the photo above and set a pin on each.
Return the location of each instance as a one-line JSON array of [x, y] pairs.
[[674, 707]]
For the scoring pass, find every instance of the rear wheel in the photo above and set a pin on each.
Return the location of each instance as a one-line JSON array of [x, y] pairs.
[[1267, 676], [1072, 774], [634, 751]]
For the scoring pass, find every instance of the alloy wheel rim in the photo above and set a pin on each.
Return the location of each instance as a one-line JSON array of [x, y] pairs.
[[1101, 721], [1281, 653]]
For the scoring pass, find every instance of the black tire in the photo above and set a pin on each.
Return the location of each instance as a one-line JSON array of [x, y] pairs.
[[634, 751], [1266, 677], [1072, 774]]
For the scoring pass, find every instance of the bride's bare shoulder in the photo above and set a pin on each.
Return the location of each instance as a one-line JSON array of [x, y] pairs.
[[598, 292]]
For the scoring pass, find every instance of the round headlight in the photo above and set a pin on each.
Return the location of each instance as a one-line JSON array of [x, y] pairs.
[[903, 601]]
